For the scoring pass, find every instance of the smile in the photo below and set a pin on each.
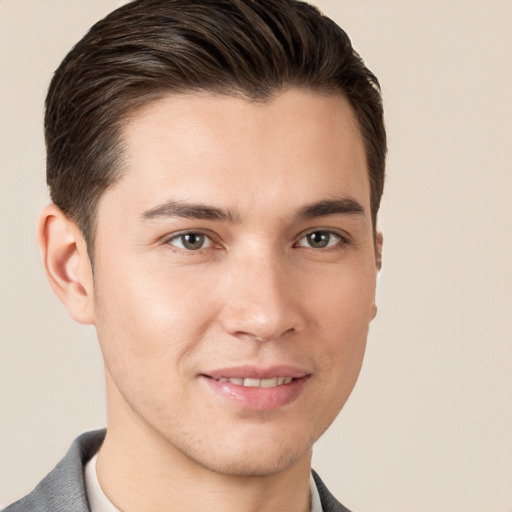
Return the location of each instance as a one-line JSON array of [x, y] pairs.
[[258, 383], [256, 388]]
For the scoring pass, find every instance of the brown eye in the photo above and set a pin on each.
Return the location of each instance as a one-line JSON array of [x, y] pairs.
[[191, 241], [319, 239]]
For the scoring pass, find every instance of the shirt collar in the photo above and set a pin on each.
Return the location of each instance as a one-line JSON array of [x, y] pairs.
[[98, 501]]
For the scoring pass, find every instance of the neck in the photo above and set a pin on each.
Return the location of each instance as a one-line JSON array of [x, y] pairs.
[[138, 469]]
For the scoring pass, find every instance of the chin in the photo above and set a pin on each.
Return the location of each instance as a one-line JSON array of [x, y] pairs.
[[253, 467], [255, 457]]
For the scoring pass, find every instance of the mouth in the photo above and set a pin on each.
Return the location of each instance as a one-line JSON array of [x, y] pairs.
[[258, 389], [257, 383]]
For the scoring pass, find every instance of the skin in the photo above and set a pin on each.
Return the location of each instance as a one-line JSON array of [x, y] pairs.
[[259, 292]]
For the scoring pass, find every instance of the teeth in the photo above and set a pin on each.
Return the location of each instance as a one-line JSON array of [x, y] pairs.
[[258, 383], [268, 383], [252, 383]]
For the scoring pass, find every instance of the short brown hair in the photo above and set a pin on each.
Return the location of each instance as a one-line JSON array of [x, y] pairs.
[[150, 48]]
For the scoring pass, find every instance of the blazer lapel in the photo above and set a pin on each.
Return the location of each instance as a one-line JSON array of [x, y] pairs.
[[63, 489], [329, 502]]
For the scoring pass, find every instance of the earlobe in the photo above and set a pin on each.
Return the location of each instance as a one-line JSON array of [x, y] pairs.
[[66, 263]]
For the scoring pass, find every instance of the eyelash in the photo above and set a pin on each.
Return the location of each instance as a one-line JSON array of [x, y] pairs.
[[181, 236], [340, 241]]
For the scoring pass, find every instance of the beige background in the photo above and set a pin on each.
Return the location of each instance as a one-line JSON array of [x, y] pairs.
[[429, 426]]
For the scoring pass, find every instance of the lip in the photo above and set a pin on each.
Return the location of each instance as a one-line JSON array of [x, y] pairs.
[[253, 372], [257, 398]]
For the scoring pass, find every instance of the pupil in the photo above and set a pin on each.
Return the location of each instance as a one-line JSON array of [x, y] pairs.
[[318, 239], [193, 241]]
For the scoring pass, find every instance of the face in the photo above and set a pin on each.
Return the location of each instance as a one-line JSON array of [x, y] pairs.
[[235, 276]]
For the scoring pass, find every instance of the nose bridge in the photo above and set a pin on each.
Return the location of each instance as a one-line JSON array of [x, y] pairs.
[[261, 299]]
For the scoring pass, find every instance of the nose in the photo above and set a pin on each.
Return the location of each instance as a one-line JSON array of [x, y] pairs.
[[262, 299]]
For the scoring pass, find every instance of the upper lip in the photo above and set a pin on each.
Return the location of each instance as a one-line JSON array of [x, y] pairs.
[[254, 372]]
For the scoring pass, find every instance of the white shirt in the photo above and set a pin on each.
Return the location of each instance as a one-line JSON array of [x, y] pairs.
[[100, 503]]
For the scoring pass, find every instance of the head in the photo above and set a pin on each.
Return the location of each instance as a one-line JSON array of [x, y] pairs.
[[222, 162], [151, 48]]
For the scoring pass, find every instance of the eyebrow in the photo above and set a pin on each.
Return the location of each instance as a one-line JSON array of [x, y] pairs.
[[342, 206], [189, 211]]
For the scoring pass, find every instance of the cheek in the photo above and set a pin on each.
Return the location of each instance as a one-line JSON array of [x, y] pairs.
[[343, 300], [344, 314], [147, 322]]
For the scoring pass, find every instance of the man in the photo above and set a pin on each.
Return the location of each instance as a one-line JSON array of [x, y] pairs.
[[216, 169]]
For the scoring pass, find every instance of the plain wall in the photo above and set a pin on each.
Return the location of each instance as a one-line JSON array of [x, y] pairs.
[[429, 424]]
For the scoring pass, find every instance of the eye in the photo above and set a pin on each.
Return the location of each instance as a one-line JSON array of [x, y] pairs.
[[190, 241], [320, 240]]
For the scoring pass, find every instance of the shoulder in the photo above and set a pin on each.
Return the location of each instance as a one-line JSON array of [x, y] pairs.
[[63, 489], [329, 502]]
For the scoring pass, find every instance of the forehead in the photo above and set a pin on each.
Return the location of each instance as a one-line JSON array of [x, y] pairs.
[[204, 147]]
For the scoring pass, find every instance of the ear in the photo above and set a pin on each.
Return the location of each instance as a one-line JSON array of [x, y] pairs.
[[66, 262], [379, 240]]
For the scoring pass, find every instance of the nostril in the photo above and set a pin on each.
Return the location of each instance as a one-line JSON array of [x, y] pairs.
[[264, 338]]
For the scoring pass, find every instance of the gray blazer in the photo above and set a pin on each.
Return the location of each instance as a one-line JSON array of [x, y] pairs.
[[63, 489]]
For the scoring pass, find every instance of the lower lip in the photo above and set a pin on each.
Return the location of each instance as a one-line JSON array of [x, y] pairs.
[[258, 399]]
